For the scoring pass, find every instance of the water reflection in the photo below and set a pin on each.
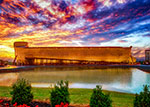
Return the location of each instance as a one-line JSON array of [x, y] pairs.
[[79, 75], [139, 79], [7, 79], [118, 79]]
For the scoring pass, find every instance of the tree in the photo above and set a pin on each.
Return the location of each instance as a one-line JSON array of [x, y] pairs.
[[21, 93], [60, 94], [143, 99], [99, 99]]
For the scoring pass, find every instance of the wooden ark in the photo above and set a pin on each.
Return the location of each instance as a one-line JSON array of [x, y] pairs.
[[25, 55]]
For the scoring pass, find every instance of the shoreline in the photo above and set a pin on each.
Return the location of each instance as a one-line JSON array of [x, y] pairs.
[[11, 68], [49, 88]]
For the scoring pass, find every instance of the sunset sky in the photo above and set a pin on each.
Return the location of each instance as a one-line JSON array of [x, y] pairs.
[[75, 23]]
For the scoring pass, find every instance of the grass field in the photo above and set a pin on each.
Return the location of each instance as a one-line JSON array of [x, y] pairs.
[[78, 96]]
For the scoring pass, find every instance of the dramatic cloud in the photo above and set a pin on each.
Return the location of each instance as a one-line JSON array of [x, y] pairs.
[[75, 23]]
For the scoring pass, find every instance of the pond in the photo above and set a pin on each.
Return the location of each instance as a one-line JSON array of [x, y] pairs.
[[122, 79]]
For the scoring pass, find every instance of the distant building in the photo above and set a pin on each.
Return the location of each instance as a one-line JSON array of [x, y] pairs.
[[147, 56], [25, 55]]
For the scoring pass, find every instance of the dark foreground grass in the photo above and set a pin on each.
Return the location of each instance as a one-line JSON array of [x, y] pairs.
[[78, 96]]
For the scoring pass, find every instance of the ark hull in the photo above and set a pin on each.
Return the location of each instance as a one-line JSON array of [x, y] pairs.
[[25, 55]]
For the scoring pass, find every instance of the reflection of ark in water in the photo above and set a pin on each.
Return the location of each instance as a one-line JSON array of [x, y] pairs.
[[25, 55]]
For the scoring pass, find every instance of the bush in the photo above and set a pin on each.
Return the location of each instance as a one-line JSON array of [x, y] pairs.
[[143, 99], [60, 94], [21, 93], [99, 99]]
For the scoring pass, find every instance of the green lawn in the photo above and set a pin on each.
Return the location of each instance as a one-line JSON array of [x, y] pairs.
[[78, 96]]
